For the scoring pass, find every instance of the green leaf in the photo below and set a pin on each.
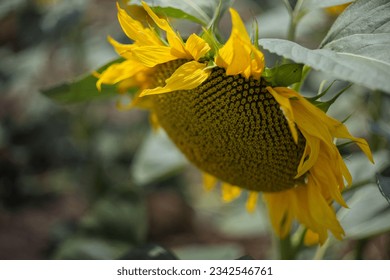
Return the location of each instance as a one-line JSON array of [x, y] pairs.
[[200, 11], [157, 158], [355, 48], [364, 70], [361, 17], [284, 75], [82, 89]]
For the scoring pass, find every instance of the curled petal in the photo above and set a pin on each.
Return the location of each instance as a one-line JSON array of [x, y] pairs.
[[188, 76]]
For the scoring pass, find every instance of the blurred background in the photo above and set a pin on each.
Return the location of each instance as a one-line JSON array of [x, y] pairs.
[[87, 181]]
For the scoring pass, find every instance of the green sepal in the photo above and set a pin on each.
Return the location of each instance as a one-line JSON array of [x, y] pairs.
[[283, 75], [83, 89], [325, 105]]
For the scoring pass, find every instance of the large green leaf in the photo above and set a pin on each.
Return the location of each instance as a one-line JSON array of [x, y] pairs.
[[361, 17], [81, 90], [324, 3], [355, 48], [200, 11], [360, 69]]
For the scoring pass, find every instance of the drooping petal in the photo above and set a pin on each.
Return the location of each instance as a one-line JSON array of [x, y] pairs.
[[135, 30], [186, 77], [150, 56], [339, 130], [310, 155], [326, 170], [279, 210], [315, 124], [285, 106], [306, 204]]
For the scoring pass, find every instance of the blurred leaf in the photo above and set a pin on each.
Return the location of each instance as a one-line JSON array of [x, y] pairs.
[[201, 11], [83, 248], [362, 17], [324, 3], [368, 214], [121, 219], [383, 182], [209, 252], [284, 75], [157, 158], [9, 6], [149, 252], [82, 89], [360, 69]]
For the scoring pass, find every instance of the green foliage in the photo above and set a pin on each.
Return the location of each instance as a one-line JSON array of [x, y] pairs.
[[82, 89], [355, 49], [283, 75], [361, 17], [201, 11]]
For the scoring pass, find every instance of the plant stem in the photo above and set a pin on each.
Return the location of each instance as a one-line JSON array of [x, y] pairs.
[[286, 248]]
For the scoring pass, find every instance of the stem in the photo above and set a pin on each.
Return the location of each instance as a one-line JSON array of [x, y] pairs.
[[295, 17], [320, 253], [286, 248]]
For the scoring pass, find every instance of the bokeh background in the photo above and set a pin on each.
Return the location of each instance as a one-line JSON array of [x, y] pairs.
[[87, 181]]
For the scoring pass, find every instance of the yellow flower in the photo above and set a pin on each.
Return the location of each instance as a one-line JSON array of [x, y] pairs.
[[230, 123]]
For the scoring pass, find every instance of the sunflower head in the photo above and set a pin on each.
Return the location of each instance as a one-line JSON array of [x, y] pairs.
[[235, 126]]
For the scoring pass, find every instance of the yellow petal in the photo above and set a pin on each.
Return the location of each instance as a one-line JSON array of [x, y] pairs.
[[239, 26], [209, 181], [174, 40], [285, 106], [311, 238], [124, 50], [196, 46], [150, 56], [153, 119], [230, 192], [235, 57], [279, 210], [135, 30], [310, 155], [188, 76], [252, 201], [339, 130], [119, 72], [238, 55]]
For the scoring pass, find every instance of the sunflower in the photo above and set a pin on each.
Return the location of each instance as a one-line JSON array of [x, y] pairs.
[[227, 120]]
